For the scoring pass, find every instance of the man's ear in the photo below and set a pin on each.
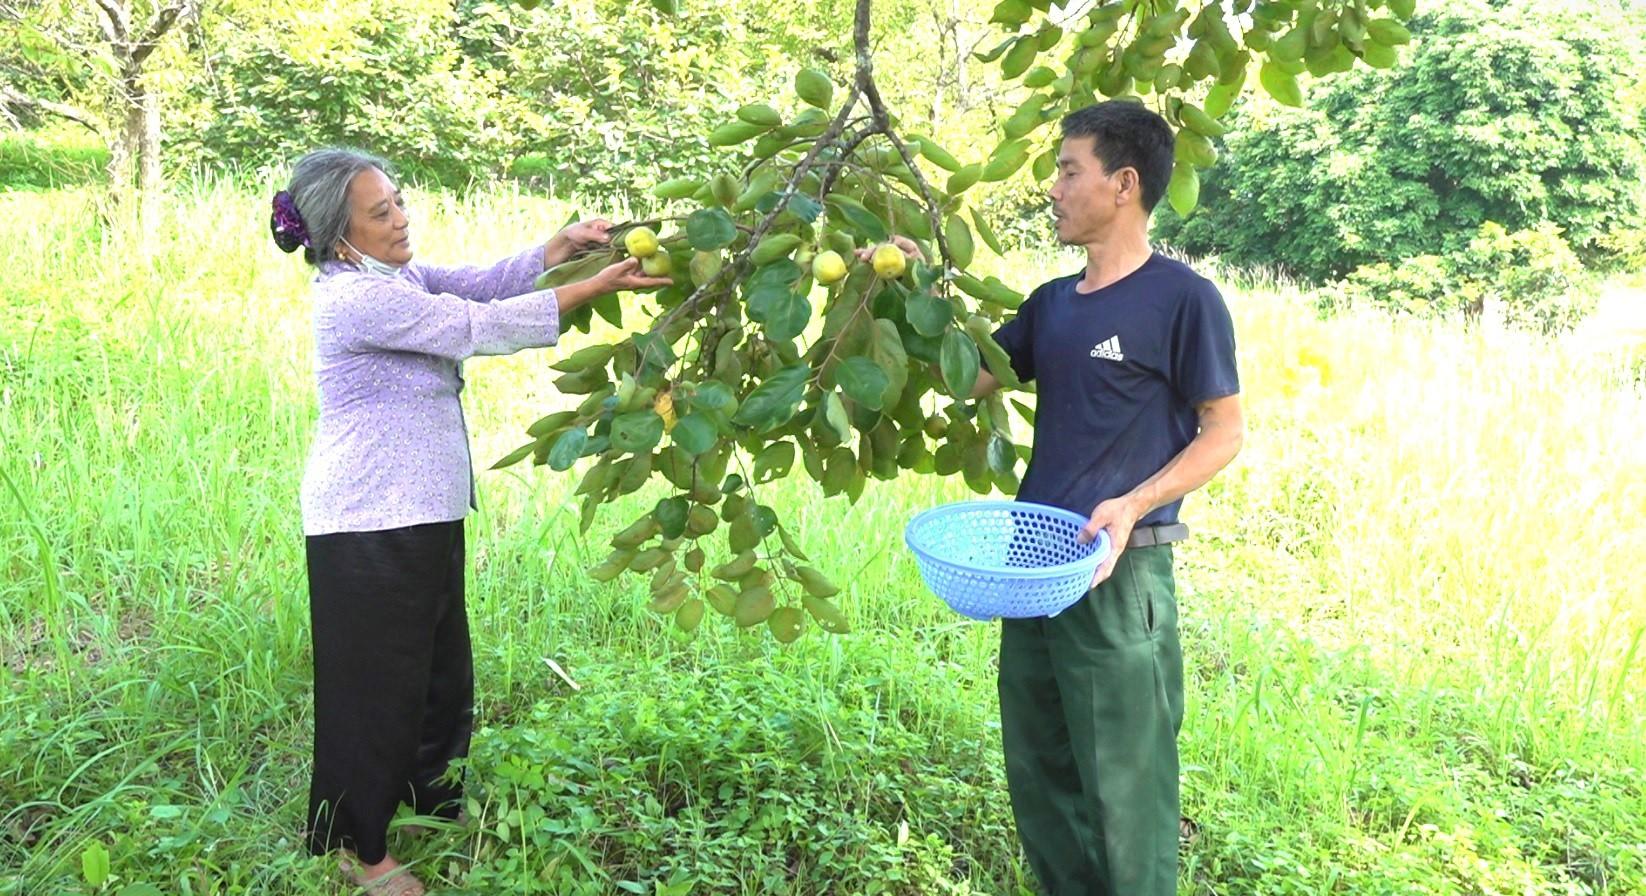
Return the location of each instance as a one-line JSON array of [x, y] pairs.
[[1128, 186]]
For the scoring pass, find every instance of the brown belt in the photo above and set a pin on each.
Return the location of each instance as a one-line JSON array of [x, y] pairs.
[[1149, 536]]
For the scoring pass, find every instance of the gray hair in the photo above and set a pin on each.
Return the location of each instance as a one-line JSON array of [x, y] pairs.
[[320, 189]]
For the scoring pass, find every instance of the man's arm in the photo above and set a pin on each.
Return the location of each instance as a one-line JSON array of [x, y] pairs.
[[1222, 430]]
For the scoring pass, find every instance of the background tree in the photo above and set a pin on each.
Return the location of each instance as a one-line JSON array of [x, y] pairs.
[[91, 63], [1521, 115]]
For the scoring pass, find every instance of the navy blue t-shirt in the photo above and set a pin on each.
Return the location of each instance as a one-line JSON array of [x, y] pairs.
[[1120, 373]]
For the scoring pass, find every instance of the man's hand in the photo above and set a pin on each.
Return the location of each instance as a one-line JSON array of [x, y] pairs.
[[902, 242], [1117, 516]]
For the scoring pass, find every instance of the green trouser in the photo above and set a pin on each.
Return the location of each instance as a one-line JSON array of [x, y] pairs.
[[1091, 701]]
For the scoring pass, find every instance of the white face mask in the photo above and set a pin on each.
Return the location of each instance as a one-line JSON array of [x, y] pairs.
[[372, 265]]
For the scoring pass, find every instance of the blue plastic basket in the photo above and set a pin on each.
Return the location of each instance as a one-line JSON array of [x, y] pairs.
[[1009, 559]]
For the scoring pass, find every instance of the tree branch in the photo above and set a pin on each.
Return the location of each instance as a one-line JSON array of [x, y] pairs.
[[116, 22], [157, 29], [9, 96]]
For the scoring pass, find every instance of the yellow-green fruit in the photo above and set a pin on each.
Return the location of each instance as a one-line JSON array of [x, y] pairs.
[[936, 426], [888, 261], [657, 264], [641, 242], [828, 267]]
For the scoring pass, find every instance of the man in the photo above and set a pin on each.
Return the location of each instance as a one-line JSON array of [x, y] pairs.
[[1138, 406]]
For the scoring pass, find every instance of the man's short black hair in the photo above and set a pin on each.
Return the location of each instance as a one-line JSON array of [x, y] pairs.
[[1126, 134]]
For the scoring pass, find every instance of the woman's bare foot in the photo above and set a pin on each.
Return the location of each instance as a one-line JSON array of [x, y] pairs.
[[386, 878]]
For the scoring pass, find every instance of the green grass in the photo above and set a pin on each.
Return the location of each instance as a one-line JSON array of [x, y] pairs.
[[1412, 615], [61, 156]]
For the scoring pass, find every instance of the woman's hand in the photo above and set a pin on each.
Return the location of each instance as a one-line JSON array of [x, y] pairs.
[[575, 238], [624, 275]]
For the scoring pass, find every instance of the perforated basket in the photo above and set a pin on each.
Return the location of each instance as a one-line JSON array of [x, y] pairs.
[[1009, 559]]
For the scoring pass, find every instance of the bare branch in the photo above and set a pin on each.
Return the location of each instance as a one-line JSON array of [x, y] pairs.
[[157, 29], [9, 97]]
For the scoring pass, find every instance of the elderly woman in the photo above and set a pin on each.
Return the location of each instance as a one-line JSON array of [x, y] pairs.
[[388, 483]]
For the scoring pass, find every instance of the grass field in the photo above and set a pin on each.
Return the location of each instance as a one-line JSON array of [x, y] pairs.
[[1412, 615]]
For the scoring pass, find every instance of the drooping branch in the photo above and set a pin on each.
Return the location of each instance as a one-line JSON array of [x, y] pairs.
[[10, 97]]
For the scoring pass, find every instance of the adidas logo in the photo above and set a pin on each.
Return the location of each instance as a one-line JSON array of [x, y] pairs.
[[1109, 348]]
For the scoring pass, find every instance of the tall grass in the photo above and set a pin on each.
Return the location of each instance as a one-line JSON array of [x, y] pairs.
[[1412, 614]]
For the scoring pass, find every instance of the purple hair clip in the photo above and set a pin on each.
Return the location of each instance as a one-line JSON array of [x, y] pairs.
[[287, 224]]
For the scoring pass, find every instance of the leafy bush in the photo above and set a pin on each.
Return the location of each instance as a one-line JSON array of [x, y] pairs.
[[1532, 279], [850, 788]]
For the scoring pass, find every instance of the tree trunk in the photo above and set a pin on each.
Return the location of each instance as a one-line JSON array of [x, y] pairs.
[[148, 145]]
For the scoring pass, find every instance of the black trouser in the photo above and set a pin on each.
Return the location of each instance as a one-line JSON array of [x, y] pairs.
[[393, 681]]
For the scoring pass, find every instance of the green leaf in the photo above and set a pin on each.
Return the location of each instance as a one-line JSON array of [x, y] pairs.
[[887, 351], [1280, 85], [668, 8], [928, 314], [936, 154], [94, 863], [761, 114], [708, 229], [695, 434], [1007, 159], [714, 398], [815, 583], [986, 233], [805, 208], [959, 362], [1183, 190], [827, 614], [863, 382], [637, 432], [551, 424], [786, 624], [959, 238], [735, 132], [764, 519], [671, 515], [677, 188], [1011, 13], [861, 219], [814, 88], [962, 180], [784, 314], [774, 401], [568, 448], [1001, 456], [790, 545], [515, 456], [1020, 57], [834, 415], [774, 246], [654, 352], [774, 462], [1221, 98]]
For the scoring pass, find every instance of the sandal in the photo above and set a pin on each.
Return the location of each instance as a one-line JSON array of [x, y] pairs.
[[399, 882]]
